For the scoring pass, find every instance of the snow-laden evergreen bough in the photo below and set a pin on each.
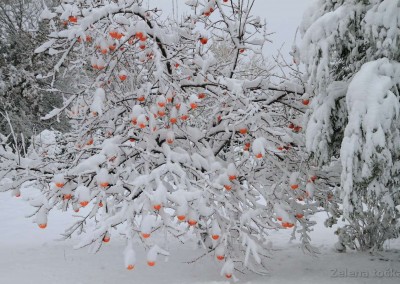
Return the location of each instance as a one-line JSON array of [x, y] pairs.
[[176, 130], [22, 94], [351, 51]]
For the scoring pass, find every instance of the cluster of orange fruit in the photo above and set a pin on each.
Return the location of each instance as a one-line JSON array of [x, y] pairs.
[[288, 225], [295, 128]]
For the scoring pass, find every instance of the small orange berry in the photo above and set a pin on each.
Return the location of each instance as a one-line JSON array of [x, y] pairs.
[[145, 235], [84, 203]]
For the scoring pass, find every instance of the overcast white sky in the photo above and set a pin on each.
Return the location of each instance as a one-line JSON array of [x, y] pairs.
[[283, 18]]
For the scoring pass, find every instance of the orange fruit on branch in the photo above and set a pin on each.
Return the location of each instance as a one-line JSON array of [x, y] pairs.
[[243, 130], [145, 235], [42, 226], [227, 187], [215, 237], [84, 203], [203, 40], [104, 184], [73, 19], [123, 77], [67, 196], [59, 184]]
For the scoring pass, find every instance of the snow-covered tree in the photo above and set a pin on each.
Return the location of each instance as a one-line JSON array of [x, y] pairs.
[[351, 51], [22, 95], [170, 138]]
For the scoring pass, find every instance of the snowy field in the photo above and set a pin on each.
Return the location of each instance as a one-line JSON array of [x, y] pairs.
[[31, 255]]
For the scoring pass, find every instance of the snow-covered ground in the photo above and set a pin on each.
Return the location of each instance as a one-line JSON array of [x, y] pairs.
[[31, 255]]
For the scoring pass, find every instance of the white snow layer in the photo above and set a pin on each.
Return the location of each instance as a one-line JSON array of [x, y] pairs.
[[372, 109]]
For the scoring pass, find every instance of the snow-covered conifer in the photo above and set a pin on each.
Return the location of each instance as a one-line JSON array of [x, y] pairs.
[[352, 56]]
